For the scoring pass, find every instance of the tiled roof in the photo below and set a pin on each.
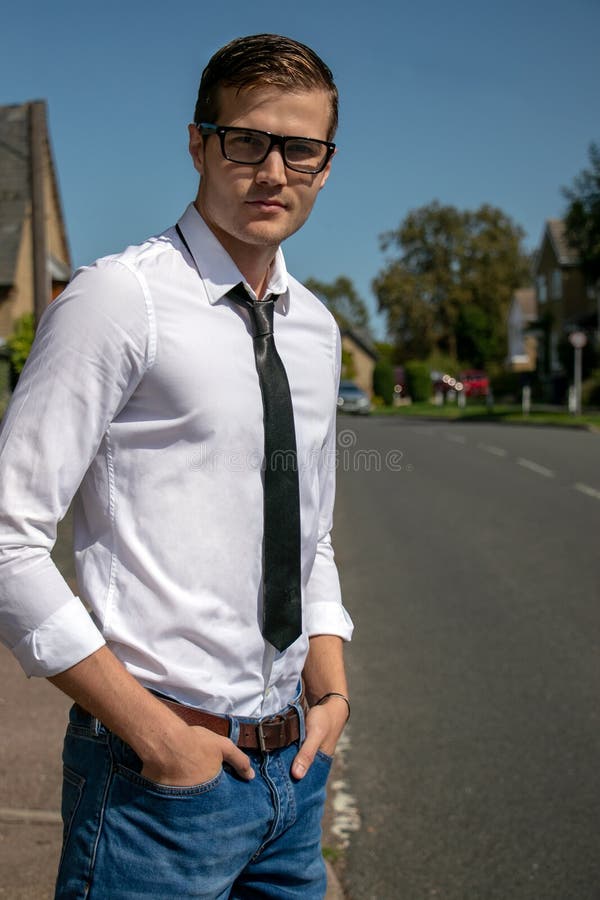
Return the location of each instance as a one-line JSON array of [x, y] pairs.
[[362, 337], [14, 185], [565, 253]]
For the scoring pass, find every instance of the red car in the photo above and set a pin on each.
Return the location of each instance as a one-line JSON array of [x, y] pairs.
[[475, 383]]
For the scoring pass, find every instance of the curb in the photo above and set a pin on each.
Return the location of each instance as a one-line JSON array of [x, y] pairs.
[[334, 888]]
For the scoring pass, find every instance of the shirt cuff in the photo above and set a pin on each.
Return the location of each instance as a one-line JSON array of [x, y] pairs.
[[328, 618], [64, 639]]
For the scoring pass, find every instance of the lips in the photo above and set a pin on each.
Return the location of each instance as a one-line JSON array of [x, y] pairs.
[[266, 203]]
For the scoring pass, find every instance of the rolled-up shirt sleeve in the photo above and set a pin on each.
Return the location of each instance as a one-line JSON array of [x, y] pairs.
[[324, 611], [91, 349]]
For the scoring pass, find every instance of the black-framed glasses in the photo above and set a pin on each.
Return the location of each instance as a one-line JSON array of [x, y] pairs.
[[250, 147]]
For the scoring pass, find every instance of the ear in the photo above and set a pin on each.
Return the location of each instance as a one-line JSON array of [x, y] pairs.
[[196, 148]]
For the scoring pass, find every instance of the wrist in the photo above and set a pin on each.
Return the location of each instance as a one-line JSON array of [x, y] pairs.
[[160, 733], [335, 697]]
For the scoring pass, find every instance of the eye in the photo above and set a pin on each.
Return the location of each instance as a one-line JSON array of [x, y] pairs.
[[303, 149], [246, 139]]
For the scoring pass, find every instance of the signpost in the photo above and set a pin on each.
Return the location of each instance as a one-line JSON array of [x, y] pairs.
[[578, 340]]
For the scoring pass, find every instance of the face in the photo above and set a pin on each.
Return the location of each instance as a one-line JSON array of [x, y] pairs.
[[252, 207]]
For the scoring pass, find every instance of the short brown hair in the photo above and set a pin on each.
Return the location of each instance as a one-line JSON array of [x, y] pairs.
[[264, 59]]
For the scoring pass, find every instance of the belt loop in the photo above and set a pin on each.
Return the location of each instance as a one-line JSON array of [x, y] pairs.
[[297, 705], [234, 729]]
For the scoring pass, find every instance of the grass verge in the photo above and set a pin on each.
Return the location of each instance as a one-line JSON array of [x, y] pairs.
[[331, 854], [481, 413]]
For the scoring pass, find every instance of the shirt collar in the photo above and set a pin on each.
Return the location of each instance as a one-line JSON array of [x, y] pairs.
[[217, 269]]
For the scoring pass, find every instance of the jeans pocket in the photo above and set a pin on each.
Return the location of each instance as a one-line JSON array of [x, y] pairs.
[[168, 790], [72, 791], [128, 766], [324, 757]]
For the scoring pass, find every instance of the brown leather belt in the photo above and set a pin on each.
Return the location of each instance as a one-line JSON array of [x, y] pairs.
[[272, 733]]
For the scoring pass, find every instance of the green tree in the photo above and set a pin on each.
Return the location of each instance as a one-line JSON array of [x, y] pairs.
[[20, 341], [342, 300], [582, 219], [383, 380], [386, 351], [418, 381], [475, 340], [447, 261], [348, 367]]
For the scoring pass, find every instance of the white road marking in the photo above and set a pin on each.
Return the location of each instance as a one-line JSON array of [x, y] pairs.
[[586, 489], [345, 809], [535, 467], [457, 438], [495, 451], [346, 818]]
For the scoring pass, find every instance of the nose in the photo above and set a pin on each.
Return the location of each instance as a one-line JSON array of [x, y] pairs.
[[272, 169]]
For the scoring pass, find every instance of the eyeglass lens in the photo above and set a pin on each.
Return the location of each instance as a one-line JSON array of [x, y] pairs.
[[252, 147]]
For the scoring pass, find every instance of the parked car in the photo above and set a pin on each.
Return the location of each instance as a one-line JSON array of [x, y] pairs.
[[471, 382], [352, 399], [474, 383]]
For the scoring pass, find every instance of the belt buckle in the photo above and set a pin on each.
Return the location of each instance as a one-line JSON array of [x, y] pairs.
[[261, 735], [270, 720]]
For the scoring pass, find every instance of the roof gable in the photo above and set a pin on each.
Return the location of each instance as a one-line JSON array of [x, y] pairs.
[[554, 239], [14, 185], [566, 254], [362, 338]]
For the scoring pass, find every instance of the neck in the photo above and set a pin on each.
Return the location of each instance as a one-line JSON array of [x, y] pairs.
[[256, 268], [253, 260]]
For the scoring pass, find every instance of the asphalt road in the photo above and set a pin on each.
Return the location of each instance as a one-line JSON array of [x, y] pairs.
[[469, 561]]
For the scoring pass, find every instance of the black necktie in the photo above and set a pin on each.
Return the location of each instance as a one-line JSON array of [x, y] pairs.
[[282, 607]]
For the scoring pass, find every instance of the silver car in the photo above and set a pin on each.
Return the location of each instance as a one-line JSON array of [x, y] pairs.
[[352, 399]]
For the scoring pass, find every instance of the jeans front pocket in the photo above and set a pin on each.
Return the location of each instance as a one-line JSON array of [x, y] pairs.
[[169, 790], [128, 765], [324, 757]]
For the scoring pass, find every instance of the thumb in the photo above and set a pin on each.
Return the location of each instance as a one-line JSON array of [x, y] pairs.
[[238, 761], [305, 756]]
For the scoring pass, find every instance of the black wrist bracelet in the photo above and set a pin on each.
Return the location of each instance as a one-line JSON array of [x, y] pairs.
[[334, 694]]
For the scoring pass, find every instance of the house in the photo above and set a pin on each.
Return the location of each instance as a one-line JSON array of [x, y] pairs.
[[522, 344], [564, 302], [358, 357], [34, 254]]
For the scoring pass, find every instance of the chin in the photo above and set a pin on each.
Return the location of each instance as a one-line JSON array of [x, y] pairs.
[[262, 235], [270, 232]]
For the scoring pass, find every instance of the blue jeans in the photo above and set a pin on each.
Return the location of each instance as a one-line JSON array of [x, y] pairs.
[[127, 837]]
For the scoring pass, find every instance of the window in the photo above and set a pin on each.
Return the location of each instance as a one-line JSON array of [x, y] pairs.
[[556, 285], [555, 364], [542, 294], [517, 347]]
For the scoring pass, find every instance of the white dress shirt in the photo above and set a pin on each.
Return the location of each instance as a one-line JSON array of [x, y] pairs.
[[141, 395]]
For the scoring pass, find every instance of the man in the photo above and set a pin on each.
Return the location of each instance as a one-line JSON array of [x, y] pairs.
[[191, 769]]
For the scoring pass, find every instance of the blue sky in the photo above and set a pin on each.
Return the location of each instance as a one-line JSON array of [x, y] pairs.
[[466, 102]]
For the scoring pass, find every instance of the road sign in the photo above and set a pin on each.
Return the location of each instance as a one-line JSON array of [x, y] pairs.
[[577, 339]]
